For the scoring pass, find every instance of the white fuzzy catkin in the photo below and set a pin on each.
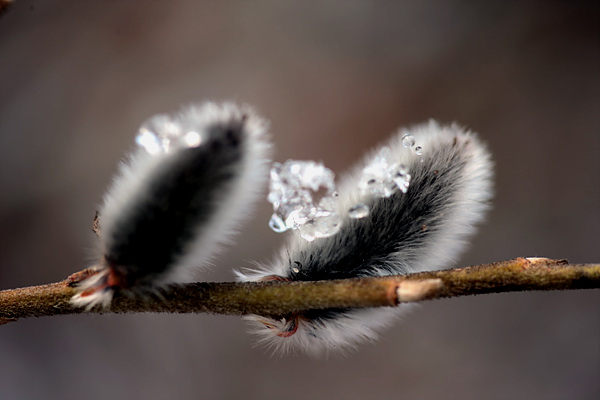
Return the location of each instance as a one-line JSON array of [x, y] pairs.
[[178, 198], [422, 229]]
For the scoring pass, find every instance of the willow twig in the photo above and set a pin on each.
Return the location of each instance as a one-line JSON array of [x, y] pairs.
[[280, 298]]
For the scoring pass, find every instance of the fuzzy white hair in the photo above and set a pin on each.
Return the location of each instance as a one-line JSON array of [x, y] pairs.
[[166, 214], [422, 229]]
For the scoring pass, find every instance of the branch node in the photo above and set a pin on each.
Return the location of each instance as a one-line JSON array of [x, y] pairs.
[[418, 290]]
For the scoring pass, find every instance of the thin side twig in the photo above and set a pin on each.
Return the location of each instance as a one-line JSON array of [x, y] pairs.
[[281, 298]]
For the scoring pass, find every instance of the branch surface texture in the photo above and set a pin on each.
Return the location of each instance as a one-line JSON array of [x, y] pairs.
[[280, 298]]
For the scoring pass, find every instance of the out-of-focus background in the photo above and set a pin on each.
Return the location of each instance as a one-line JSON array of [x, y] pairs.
[[335, 78]]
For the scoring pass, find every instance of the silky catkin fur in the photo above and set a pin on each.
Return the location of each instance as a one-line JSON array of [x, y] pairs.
[[425, 228], [168, 212]]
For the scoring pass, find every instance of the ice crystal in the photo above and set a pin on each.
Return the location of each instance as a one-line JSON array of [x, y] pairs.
[[294, 188]]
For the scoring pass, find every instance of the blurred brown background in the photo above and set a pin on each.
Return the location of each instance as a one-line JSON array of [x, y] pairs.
[[335, 78]]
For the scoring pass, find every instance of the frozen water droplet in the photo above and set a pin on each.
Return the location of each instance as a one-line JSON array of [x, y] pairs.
[[328, 203], [149, 142], [163, 128], [307, 232], [418, 150], [277, 224], [314, 175], [408, 140], [162, 125], [275, 170], [165, 134], [192, 139], [402, 178], [383, 176], [358, 211], [292, 187], [327, 225], [299, 216]]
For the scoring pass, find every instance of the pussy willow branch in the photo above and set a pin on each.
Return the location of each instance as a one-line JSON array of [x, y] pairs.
[[281, 298]]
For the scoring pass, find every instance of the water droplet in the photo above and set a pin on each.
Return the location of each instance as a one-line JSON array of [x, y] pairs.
[[408, 140], [418, 150], [358, 211]]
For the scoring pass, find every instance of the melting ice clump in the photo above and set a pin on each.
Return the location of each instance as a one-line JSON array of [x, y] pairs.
[[294, 188], [163, 134], [383, 177], [296, 185]]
